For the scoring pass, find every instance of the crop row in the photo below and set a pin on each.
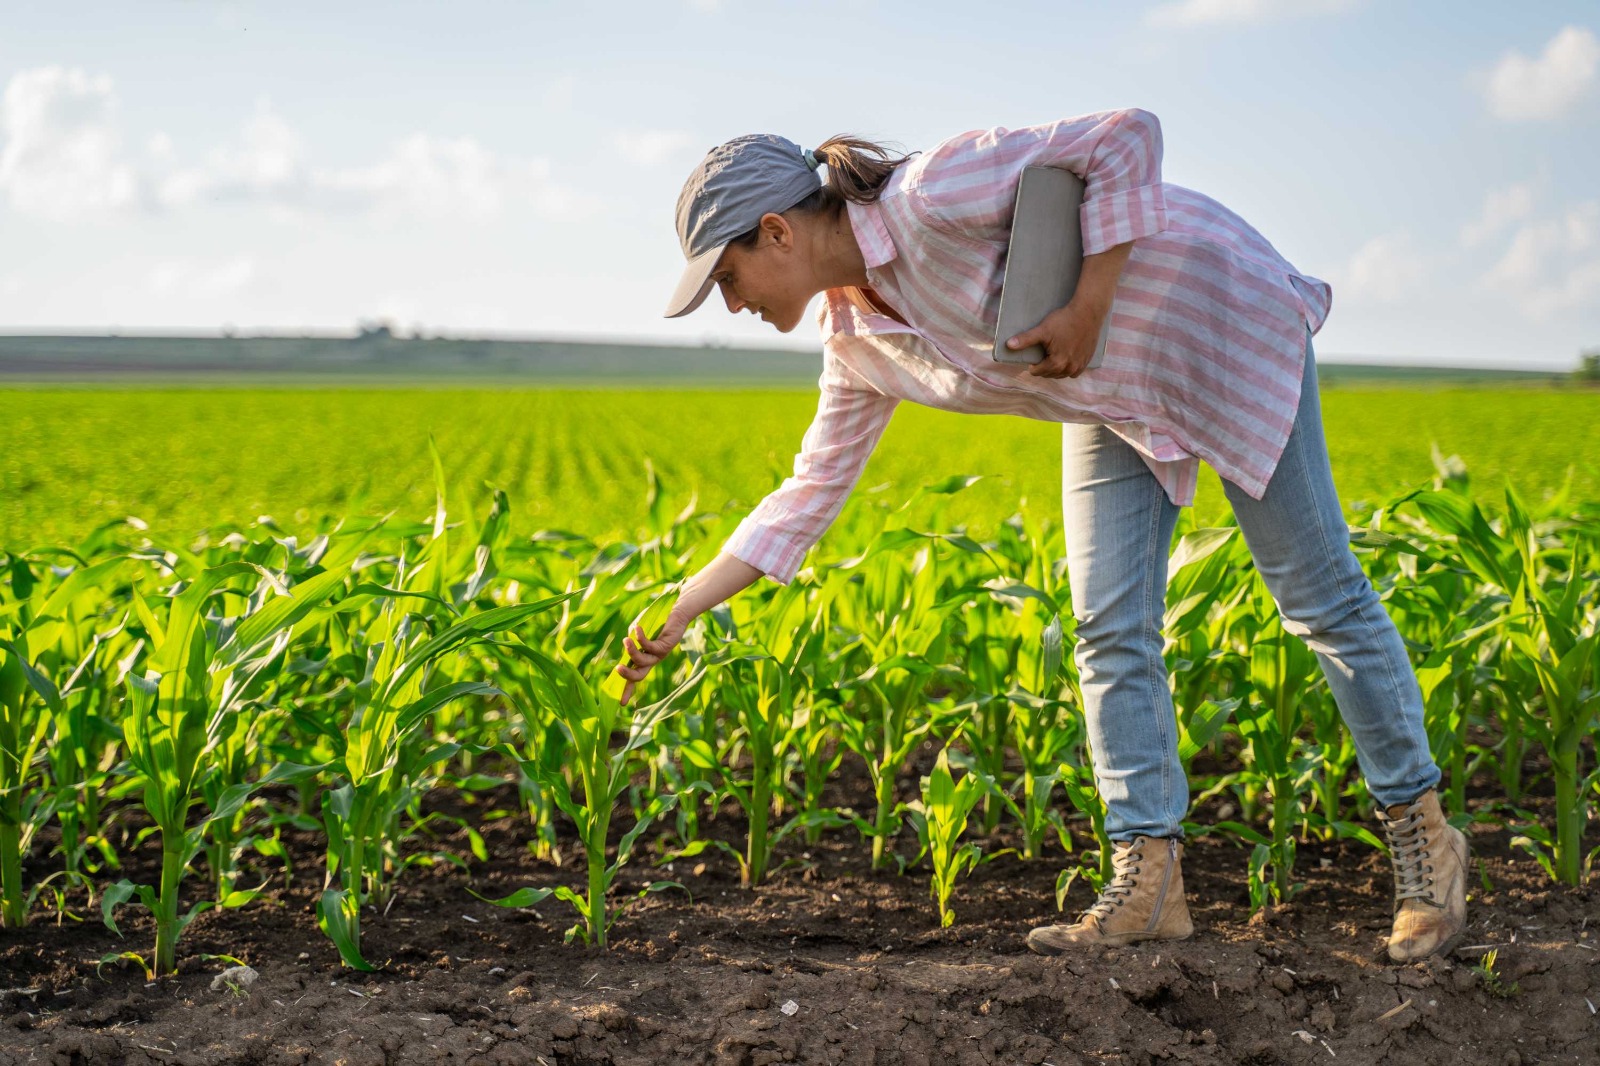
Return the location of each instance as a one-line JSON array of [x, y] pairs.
[[384, 658]]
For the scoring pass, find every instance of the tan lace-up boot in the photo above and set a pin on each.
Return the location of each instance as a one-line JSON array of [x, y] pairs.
[[1430, 878], [1143, 901]]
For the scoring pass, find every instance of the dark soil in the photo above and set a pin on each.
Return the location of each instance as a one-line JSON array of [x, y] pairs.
[[828, 963]]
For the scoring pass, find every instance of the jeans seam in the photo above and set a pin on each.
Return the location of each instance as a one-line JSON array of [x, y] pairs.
[[1157, 667]]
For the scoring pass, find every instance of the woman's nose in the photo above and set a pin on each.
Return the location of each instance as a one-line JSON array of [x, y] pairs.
[[734, 302]]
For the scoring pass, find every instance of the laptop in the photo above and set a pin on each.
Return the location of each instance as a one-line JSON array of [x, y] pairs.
[[1045, 257]]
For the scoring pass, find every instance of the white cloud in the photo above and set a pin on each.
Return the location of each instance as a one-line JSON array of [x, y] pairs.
[[1385, 270], [266, 163], [1551, 265], [1520, 88], [647, 148], [61, 154], [1203, 12], [201, 280], [427, 175], [1501, 208]]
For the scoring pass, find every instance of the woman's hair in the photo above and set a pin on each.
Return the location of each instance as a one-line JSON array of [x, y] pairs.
[[857, 172]]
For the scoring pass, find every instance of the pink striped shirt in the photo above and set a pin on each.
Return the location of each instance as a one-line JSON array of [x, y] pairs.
[[1203, 357]]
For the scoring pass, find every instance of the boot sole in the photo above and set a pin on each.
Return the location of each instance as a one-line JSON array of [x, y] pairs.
[[1120, 941]]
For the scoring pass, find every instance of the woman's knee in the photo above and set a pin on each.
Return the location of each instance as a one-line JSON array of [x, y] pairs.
[[1117, 633], [1317, 601]]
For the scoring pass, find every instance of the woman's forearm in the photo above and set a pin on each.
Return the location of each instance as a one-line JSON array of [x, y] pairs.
[[721, 578], [1097, 283]]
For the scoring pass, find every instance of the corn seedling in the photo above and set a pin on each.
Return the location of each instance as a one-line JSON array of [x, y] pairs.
[[386, 744], [588, 716], [940, 818], [198, 674]]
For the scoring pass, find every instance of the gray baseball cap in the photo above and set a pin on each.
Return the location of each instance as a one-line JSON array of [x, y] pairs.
[[726, 196]]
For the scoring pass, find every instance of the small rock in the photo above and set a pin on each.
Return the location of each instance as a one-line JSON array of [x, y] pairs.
[[790, 1008], [234, 977]]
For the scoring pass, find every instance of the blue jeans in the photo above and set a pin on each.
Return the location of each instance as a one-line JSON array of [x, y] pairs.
[[1119, 526]]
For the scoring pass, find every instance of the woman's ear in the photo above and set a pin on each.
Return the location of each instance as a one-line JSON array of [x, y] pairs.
[[777, 228]]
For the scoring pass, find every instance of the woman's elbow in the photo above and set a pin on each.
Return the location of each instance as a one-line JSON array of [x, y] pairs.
[[1141, 125]]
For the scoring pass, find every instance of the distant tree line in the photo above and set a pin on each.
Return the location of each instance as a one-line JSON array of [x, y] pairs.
[[1589, 365]]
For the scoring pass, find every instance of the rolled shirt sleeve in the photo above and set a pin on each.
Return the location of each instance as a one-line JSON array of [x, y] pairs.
[[968, 183], [850, 419]]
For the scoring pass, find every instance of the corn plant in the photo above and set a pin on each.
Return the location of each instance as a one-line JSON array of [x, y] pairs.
[[46, 685], [991, 663], [1280, 667], [1550, 623], [1045, 729], [887, 717], [1548, 627], [28, 703], [384, 748], [588, 716], [63, 627], [764, 716], [83, 747], [198, 674], [816, 748], [1077, 784], [1042, 727], [940, 818], [785, 649]]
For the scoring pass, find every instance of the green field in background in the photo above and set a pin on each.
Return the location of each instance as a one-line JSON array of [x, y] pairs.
[[185, 459]]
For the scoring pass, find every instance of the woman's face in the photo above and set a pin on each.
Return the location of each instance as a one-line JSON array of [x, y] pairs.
[[771, 279]]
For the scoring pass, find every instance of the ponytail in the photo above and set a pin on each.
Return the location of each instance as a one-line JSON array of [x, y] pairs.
[[858, 170]]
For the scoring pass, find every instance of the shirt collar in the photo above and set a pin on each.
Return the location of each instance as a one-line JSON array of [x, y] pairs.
[[866, 220]]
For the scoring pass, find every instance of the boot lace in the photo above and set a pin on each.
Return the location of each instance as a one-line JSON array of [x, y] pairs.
[[1120, 887], [1412, 873]]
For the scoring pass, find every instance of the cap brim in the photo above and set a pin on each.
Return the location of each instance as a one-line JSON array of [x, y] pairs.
[[695, 285]]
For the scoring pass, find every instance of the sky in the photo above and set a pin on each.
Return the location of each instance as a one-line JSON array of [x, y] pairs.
[[498, 168]]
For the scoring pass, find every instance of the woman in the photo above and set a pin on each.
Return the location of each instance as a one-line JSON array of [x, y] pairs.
[[1208, 357]]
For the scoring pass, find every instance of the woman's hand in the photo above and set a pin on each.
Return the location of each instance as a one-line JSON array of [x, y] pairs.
[[644, 652], [1069, 335]]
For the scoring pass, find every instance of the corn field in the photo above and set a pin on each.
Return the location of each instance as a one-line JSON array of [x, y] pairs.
[[197, 700]]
